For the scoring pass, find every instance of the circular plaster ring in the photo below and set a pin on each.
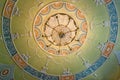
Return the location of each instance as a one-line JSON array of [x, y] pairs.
[[105, 53], [59, 30]]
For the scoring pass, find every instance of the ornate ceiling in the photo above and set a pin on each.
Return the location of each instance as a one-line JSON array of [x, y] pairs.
[[59, 40]]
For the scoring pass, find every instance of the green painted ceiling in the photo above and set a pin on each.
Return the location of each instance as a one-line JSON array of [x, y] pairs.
[[23, 57]]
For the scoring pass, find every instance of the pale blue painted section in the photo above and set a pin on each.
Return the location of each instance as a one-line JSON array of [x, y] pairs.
[[117, 53]]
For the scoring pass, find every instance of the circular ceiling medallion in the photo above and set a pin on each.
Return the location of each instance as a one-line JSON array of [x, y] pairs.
[[60, 28]]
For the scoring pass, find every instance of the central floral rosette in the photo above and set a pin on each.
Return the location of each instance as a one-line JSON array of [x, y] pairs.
[[60, 29]]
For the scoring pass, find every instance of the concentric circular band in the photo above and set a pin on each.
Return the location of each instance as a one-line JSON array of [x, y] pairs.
[[63, 28]]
